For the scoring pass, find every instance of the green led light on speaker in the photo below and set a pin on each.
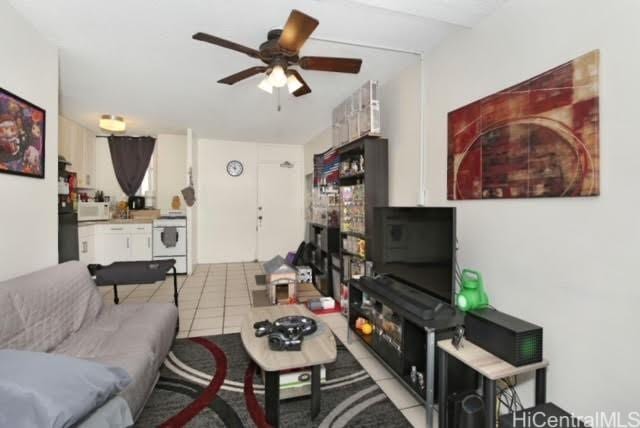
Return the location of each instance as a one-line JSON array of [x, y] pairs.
[[528, 347]]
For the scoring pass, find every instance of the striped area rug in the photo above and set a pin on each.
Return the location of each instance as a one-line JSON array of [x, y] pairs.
[[211, 382]]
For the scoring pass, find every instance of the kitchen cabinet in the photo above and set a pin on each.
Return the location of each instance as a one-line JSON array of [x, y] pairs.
[[64, 147], [77, 145], [86, 244], [108, 243], [112, 248], [89, 160], [141, 247]]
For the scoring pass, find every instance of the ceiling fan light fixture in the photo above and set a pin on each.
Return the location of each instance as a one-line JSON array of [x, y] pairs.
[[281, 51], [112, 123], [293, 83], [277, 77], [265, 85]]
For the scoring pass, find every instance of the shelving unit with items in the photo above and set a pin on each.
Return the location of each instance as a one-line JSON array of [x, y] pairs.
[[364, 184], [323, 224], [324, 243]]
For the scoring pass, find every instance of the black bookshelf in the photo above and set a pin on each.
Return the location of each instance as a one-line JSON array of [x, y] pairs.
[[375, 179], [325, 243]]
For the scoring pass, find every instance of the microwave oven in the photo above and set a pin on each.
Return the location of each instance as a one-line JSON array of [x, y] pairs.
[[93, 211]]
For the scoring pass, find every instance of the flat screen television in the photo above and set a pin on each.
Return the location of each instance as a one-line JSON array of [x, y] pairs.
[[417, 246]]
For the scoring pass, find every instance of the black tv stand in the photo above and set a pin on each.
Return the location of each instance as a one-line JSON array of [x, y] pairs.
[[407, 324], [408, 299]]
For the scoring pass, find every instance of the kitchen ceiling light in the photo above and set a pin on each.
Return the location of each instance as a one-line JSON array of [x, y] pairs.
[[112, 123], [277, 77], [293, 83], [265, 85]]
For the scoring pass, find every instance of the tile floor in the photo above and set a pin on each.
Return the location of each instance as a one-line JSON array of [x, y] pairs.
[[214, 299]]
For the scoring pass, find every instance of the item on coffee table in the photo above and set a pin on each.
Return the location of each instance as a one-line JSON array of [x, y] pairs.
[[286, 333]]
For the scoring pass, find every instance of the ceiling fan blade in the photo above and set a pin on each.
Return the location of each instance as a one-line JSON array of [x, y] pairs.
[[296, 31], [235, 78], [325, 63], [204, 37], [304, 89]]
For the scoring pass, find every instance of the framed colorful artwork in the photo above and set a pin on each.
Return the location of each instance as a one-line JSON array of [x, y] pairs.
[[539, 138], [22, 131]]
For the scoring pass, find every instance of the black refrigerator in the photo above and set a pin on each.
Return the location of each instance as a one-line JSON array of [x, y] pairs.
[[67, 217], [67, 236]]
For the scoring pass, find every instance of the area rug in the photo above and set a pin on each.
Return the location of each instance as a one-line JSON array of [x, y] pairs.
[[211, 382]]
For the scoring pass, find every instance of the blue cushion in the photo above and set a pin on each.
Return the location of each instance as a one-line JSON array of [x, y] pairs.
[[50, 390]]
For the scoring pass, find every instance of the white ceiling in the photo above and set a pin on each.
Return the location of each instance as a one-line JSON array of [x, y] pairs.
[[466, 13], [136, 58]]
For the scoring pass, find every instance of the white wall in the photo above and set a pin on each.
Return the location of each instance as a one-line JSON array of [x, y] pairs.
[[29, 217], [192, 212], [171, 169], [400, 103], [400, 111], [227, 206], [566, 264]]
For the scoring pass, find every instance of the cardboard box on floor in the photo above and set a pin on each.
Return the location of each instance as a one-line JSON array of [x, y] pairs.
[[304, 293]]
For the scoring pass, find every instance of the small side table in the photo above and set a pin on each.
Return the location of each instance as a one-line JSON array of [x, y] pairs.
[[142, 272], [491, 368], [317, 349]]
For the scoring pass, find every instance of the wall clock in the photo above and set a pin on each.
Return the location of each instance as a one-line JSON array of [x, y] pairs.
[[235, 168]]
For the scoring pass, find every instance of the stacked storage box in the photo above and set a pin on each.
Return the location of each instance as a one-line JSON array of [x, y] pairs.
[[357, 116]]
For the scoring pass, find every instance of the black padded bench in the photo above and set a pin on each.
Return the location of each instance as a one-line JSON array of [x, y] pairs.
[[143, 272]]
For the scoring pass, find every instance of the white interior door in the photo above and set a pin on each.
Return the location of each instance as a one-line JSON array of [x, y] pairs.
[[278, 210]]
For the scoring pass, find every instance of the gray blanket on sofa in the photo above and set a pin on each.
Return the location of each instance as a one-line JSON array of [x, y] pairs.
[[60, 310]]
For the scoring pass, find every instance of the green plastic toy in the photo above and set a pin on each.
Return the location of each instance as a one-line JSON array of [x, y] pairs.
[[472, 294]]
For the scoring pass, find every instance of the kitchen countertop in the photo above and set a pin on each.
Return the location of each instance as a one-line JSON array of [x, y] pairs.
[[117, 221]]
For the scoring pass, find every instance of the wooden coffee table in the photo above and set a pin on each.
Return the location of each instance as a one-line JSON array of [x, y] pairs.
[[317, 349]]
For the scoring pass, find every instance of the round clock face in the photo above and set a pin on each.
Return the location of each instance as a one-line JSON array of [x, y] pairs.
[[235, 168]]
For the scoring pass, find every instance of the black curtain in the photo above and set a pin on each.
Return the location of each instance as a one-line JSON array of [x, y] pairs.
[[130, 157]]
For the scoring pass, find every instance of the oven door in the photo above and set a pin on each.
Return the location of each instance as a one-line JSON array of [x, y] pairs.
[[160, 241]]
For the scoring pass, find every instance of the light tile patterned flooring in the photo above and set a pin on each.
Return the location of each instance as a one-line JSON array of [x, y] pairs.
[[214, 300]]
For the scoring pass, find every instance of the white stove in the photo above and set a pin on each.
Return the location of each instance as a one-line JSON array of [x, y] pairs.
[[170, 240]]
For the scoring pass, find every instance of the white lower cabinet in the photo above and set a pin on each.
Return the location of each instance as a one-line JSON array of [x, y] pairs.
[[108, 243], [112, 248], [86, 244], [141, 247]]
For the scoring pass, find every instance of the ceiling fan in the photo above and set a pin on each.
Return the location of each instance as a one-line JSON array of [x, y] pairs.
[[280, 53]]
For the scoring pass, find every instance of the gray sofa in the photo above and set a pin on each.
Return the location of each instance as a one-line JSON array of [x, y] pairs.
[[60, 310]]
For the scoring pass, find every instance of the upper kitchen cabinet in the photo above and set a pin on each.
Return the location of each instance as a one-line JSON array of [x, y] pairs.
[[77, 145]]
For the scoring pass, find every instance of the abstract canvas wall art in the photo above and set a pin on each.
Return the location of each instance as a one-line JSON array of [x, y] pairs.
[[539, 138]]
